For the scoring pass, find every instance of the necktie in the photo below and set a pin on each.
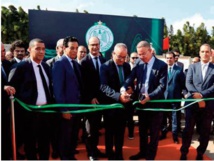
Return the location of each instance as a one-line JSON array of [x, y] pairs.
[[144, 73], [76, 71], [204, 69], [143, 87], [170, 72], [97, 64], [120, 67], [47, 92]]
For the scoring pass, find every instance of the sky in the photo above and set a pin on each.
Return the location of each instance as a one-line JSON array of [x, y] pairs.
[[175, 12]]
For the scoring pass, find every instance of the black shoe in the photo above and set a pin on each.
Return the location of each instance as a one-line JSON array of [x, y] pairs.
[[55, 155], [111, 158], [73, 158], [137, 156], [76, 151], [176, 141], [199, 157], [162, 137], [119, 158], [183, 157], [20, 156], [99, 154]]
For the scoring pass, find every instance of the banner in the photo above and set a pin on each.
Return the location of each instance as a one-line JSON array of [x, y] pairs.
[[51, 26], [166, 43]]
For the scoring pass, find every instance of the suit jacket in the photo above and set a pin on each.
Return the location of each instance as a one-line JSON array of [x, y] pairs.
[[23, 78], [51, 61], [157, 81], [110, 83], [4, 96], [181, 65], [175, 84], [13, 61], [195, 82], [66, 87], [7, 66], [91, 78]]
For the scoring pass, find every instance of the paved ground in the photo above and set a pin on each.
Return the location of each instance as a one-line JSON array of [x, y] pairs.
[[210, 149]]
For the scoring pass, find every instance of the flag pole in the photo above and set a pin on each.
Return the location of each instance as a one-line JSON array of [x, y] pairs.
[[13, 127]]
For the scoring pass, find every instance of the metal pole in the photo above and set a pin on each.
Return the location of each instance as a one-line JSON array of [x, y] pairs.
[[13, 127]]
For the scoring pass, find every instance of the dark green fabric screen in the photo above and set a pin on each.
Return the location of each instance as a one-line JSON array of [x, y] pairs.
[[53, 25]]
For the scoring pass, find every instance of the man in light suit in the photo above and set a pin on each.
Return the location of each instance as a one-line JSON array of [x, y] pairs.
[[151, 75], [199, 83], [59, 52], [67, 85], [175, 85], [91, 79], [32, 81], [111, 81]]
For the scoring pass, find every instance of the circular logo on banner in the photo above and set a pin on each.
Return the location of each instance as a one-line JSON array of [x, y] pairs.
[[101, 31]]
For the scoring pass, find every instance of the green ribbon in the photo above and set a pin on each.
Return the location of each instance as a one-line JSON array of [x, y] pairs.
[[193, 101], [85, 108]]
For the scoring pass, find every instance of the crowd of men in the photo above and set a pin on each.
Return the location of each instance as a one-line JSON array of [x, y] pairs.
[[75, 77]]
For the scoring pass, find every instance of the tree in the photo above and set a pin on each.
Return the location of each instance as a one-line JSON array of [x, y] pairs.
[[190, 39], [14, 24]]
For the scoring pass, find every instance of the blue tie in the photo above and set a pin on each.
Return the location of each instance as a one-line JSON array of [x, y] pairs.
[[144, 73], [170, 72]]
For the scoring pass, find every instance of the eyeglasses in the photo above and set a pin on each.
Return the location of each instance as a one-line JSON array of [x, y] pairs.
[[94, 45], [134, 57], [83, 52], [120, 57]]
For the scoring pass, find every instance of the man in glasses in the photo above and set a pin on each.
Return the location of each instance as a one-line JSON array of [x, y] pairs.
[[133, 58], [90, 72], [112, 76]]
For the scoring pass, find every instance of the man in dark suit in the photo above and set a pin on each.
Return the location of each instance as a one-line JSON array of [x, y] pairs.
[[90, 71], [67, 87], [59, 52], [178, 63], [6, 91], [112, 76], [81, 53], [175, 86], [32, 80], [199, 83], [151, 75], [18, 50]]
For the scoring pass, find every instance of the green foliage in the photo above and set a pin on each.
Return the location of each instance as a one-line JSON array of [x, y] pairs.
[[190, 39], [14, 24]]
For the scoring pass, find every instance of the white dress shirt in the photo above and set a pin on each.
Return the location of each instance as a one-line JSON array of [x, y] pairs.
[[41, 98]]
